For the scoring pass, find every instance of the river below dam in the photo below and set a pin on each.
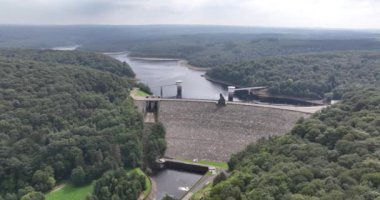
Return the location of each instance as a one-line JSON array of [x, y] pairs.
[[165, 72], [174, 183]]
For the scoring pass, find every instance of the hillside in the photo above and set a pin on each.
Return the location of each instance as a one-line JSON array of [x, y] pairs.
[[333, 155], [95, 61], [315, 76], [61, 121], [202, 46]]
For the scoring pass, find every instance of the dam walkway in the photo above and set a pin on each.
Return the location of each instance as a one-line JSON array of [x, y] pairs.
[[302, 109]]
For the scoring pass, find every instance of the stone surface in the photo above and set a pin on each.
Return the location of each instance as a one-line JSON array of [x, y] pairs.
[[203, 130]]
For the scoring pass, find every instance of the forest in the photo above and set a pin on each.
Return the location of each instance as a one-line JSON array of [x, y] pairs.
[[313, 75], [96, 61], [202, 46], [68, 116], [312, 59], [332, 155]]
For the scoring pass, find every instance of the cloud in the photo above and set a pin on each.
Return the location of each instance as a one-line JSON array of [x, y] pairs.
[[289, 13]]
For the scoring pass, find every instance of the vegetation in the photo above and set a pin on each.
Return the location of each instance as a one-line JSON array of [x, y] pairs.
[[222, 165], [316, 76], [148, 183], [119, 184], [332, 155], [143, 89], [64, 121], [91, 60], [202, 192], [202, 46], [69, 191], [72, 192], [229, 51], [155, 145], [141, 93]]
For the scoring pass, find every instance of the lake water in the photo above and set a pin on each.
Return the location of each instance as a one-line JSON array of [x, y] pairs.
[[174, 183], [156, 73], [66, 48]]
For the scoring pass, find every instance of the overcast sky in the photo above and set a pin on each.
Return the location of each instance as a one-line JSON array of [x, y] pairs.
[[269, 13]]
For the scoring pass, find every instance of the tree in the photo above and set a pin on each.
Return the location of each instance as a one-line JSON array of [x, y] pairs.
[[78, 176], [33, 196], [119, 184], [219, 178], [43, 180]]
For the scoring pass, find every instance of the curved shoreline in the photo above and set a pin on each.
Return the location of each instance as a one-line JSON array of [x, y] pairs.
[[182, 62], [224, 83], [185, 63]]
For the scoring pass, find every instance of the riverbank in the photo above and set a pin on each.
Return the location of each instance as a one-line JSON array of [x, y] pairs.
[[185, 63], [182, 62], [221, 82], [263, 95]]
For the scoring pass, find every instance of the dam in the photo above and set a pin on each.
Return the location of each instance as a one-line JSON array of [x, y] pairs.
[[200, 129]]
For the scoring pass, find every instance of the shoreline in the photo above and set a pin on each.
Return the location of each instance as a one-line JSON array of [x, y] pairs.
[[182, 62], [185, 63], [218, 81]]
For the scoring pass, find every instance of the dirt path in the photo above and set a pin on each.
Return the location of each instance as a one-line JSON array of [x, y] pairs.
[[58, 187]]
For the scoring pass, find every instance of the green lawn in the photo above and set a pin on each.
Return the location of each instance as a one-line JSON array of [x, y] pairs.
[[148, 184], [201, 193], [223, 165], [141, 93], [70, 192]]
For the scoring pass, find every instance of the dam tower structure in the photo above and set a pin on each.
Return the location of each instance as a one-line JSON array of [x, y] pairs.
[[231, 92], [179, 89]]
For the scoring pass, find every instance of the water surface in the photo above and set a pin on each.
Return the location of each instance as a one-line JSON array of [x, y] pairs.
[[66, 48], [173, 182], [156, 73]]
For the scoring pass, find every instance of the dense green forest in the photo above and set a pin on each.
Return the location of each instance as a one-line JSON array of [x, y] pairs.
[[212, 51], [248, 56], [118, 184], [202, 46], [332, 155], [92, 60], [65, 119], [305, 75]]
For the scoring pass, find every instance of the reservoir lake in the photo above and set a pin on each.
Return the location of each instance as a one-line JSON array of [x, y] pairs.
[[165, 72]]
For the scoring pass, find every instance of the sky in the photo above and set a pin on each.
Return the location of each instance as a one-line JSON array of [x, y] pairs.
[[350, 14]]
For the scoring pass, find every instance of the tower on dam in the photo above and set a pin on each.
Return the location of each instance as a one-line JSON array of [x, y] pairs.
[[179, 89], [231, 93]]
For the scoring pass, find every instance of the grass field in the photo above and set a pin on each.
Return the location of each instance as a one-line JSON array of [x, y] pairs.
[[223, 165], [141, 93], [70, 192], [148, 184], [201, 193]]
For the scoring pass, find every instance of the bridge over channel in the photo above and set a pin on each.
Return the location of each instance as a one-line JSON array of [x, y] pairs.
[[201, 129]]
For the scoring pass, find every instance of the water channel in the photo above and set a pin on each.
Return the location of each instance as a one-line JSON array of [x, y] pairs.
[[174, 183]]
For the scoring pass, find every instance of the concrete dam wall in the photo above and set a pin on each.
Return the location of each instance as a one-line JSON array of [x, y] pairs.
[[202, 130]]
